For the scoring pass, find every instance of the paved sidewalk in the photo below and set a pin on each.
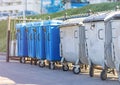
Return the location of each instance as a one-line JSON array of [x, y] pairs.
[[15, 73]]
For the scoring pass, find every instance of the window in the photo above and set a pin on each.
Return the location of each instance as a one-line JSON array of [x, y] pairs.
[[19, 3], [8, 3]]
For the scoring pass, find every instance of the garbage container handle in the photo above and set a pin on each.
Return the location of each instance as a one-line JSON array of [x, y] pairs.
[[39, 37], [27, 36], [114, 55], [26, 30], [61, 50], [48, 37], [31, 36], [86, 35], [35, 36], [75, 34], [61, 34], [18, 34], [99, 34], [113, 32]]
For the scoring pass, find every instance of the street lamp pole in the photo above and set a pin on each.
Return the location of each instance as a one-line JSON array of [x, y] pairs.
[[25, 8], [41, 5]]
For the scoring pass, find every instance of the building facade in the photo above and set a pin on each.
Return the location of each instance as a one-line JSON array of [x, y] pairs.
[[101, 1], [15, 6]]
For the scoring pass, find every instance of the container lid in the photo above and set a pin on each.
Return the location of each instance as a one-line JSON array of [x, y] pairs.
[[38, 23], [101, 17], [19, 25], [29, 24], [72, 22], [53, 22]]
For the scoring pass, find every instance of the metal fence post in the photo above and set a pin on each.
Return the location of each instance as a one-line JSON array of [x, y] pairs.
[[8, 39]]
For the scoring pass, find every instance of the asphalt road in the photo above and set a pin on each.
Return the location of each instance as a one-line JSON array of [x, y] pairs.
[[15, 73]]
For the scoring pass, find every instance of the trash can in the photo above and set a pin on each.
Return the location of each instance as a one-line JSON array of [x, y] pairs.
[[99, 42], [40, 43], [31, 33], [72, 41], [52, 41], [115, 42], [22, 41], [28, 29]]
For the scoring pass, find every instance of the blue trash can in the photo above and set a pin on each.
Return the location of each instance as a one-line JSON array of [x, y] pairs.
[[52, 41], [29, 27], [31, 33], [21, 36], [31, 39], [40, 43]]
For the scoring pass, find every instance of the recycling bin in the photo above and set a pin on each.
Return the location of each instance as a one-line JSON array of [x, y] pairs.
[[31, 33], [99, 42], [72, 43], [28, 29], [22, 41], [52, 41], [40, 43]]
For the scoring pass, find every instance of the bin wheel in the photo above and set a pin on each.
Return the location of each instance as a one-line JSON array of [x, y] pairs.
[[103, 75], [91, 71], [65, 67], [31, 61], [76, 70], [52, 65], [35, 62], [22, 60], [41, 64]]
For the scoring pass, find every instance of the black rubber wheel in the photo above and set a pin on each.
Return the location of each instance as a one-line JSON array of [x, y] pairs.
[[52, 65], [76, 70], [91, 71], [86, 67], [22, 60], [35, 61], [103, 75], [65, 67], [31, 61], [41, 64]]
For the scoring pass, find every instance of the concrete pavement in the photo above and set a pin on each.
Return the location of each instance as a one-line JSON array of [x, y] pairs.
[[15, 73]]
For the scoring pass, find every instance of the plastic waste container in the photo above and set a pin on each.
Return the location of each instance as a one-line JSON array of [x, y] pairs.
[[52, 41], [28, 28], [73, 49], [33, 41], [40, 43], [22, 41], [99, 42], [31, 33]]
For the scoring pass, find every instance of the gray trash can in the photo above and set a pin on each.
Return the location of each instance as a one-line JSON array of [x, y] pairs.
[[115, 32], [99, 42], [73, 49]]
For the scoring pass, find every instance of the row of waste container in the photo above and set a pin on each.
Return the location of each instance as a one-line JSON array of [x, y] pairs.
[[92, 40]]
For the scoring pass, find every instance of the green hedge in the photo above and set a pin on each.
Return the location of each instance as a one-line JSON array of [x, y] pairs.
[[94, 7]]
